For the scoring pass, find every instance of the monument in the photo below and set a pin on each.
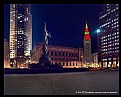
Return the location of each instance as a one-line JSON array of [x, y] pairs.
[[44, 59]]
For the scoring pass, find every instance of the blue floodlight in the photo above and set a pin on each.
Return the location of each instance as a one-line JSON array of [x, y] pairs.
[[98, 30]]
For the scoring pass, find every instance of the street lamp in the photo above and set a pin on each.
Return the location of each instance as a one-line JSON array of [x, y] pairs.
[[98, 31]]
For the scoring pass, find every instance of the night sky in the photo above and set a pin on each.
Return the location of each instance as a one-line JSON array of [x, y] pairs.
[[66, 22]]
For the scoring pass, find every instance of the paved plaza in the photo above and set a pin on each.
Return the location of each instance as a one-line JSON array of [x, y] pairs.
[[74, 83]]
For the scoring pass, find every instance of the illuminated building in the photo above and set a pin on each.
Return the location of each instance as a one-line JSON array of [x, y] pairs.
[[6, 55], [95, 60], [108, 38], [20, 34], [68, 57], [87, 48]]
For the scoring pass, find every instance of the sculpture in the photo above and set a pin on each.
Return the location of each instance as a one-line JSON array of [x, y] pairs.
[[44, 59], [45, 43]]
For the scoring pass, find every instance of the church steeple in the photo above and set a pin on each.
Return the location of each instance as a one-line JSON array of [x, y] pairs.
[[86, 33]]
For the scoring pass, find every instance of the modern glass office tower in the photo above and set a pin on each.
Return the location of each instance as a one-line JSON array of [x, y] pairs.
[[20, 34], [108, 38]]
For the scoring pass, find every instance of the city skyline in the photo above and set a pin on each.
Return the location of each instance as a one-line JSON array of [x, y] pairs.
[[66, 22]]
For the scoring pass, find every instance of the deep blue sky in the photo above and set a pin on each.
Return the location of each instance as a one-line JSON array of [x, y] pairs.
[[66, 22]]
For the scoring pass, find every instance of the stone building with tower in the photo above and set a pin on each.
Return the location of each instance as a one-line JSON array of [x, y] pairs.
[[87, 48]]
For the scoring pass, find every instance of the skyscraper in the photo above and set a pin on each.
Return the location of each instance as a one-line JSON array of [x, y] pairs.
[[108, 38], [87, 47], [20, 34]]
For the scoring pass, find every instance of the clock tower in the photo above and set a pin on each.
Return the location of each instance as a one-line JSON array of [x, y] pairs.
[[87, 47]]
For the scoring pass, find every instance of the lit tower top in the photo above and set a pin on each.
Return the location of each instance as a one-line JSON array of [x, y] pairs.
[[86, 33]]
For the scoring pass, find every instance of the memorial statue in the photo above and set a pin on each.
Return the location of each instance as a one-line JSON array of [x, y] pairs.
[[44, 59], [45, 42]]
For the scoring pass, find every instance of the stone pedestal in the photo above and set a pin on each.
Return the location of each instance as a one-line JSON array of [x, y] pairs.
[[44, 60]]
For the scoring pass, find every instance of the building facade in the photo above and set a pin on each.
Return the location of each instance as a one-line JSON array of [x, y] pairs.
[[68, 57], [6, 55], [87, 48], [108, 38], [20, 34], [95, 60]]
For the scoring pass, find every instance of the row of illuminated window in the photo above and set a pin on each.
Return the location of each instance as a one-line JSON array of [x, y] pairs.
[[104, 37], [19, 17], [109, 52], [105, 24], [104, 46], [114, 20], [117, 43], [103, 16], [106, 59], [26, 19], [114, 9], [108, 12], [105, 41], [19, 41], [115, 33], [108, 20], [109, 38], [71, 64], [110, 49], [113, 25], [12, 12], [12, 54]]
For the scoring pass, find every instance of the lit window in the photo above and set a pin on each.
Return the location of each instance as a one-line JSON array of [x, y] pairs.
[[27, 18], [24, 19]]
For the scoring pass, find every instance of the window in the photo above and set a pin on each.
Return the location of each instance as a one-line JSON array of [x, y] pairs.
[[66, 64], [55, 53], [59, 53], [63, 63], [51, 53], [66, 54]]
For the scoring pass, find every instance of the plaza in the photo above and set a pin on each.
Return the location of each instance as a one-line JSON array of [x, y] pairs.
[[74, 83]]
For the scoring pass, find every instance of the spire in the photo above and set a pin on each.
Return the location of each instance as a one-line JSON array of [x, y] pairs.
[[86, 25], [86, 29], [86, 33]]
